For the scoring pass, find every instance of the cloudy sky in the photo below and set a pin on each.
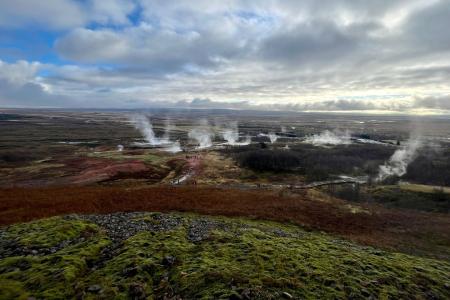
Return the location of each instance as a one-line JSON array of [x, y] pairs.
[[306, 55]]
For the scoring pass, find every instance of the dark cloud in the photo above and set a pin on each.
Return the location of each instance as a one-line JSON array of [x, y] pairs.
[[331, 105], [208, 103], [64, 14], [311, 44], [344, 105], [427, 29], [440, 102], [149, 49], [29, 95]]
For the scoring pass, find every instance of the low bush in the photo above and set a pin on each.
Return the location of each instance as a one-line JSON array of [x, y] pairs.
[[316, 163], [269, 160]]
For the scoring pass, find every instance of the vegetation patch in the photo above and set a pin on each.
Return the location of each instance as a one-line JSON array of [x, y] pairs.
[[396, 196], [235, 258], [430, 167], [49, 232], [146, 157], [316, 163]]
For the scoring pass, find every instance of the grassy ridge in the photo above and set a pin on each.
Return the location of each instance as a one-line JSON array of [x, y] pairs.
[[238, 259]]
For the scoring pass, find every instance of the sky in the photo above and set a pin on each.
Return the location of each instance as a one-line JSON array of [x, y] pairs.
[[374, 56]]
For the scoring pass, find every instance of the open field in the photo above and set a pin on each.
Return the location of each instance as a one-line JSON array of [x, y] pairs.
[[51, 148], [424, 188], [276, 205]]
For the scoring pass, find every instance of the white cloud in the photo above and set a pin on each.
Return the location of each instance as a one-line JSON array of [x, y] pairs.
[[63, 14], [144, 46], [301, 55], [87, 45], [54, 14], [19, 72], [20, 86], [110, 11]]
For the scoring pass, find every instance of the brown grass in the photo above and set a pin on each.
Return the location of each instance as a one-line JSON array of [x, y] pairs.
[[412, 232]]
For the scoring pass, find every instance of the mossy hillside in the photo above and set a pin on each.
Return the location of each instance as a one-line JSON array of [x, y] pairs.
[[51, 276], [238, 259], [50, 232]]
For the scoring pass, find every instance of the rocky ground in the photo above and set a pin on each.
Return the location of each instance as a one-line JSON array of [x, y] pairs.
[[136, 255]]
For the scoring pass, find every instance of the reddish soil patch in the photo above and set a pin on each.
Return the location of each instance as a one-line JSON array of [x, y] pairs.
[[85, 170], [109, 171], [194, 163], [411, 232]]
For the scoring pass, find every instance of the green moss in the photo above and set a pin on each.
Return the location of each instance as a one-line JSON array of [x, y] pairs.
[[418, 198], [49, 232], [257, 259], [51, 276], [11, 289]]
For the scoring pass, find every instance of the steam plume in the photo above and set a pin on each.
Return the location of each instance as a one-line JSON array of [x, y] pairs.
[[167, 129], [202, 135], [399, 161], [174, 147], [231, 135], [330, 138], [273, 137], [142, 123]]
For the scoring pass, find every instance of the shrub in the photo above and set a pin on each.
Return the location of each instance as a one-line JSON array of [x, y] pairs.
[[269, 160]]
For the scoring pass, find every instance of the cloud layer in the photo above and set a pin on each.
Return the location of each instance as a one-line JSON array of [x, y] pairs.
[[335, 55]]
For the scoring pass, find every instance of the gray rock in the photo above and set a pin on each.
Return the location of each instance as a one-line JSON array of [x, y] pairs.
[[130, 271], [168, 260], [95, 288], [136, 291], [200, 229]]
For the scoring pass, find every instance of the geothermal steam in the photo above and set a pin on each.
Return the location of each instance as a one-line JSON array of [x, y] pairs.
[[399, 161], [143, 124], [167, 128], [231, 135], [330, 138], [273, 137], [174, 148], [202, 136]]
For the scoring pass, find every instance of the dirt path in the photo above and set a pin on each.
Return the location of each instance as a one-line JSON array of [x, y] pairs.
[[193, 168]]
